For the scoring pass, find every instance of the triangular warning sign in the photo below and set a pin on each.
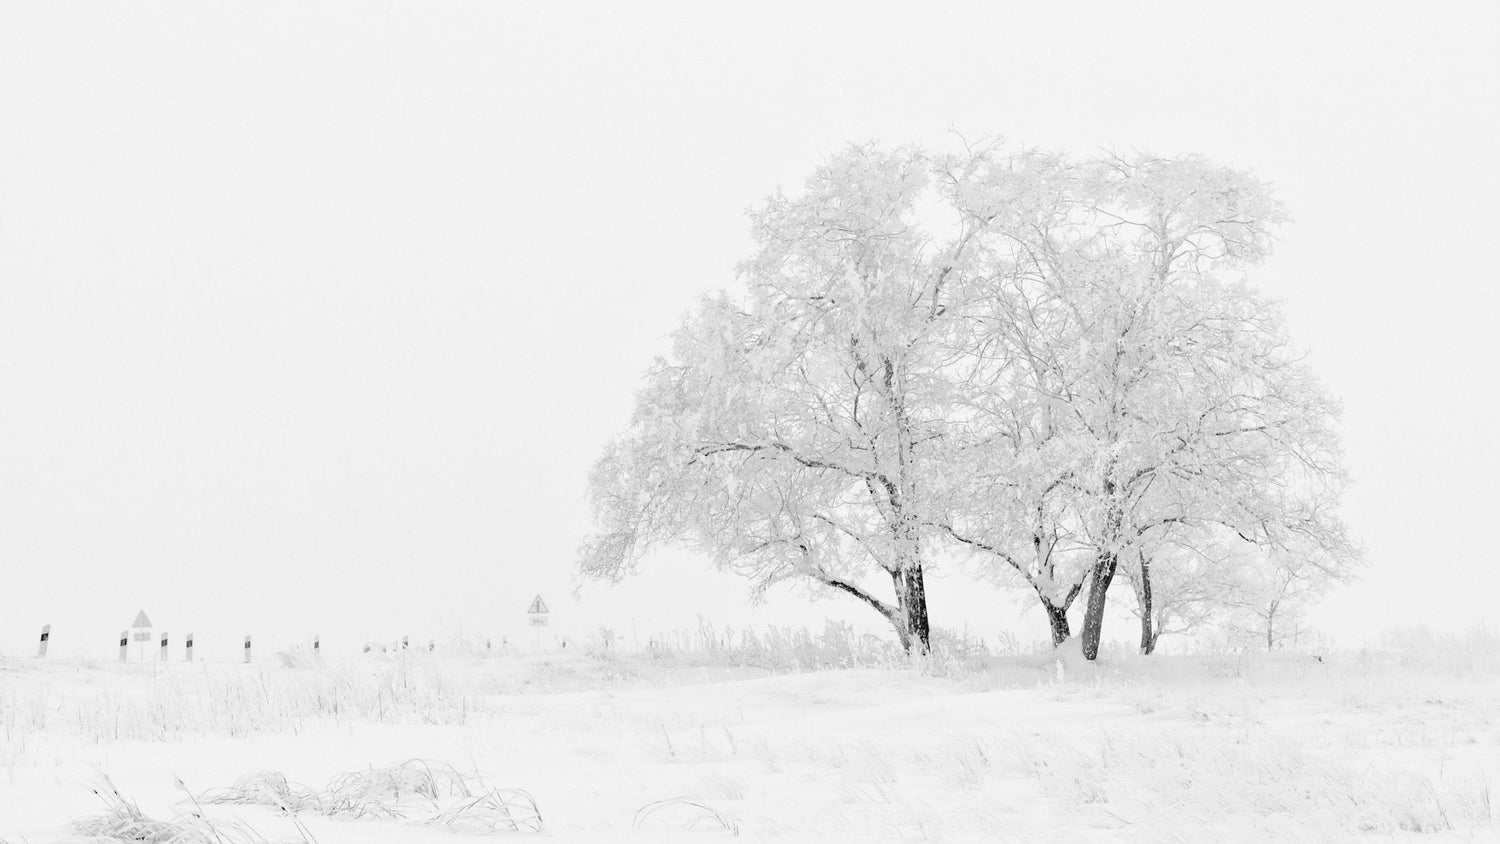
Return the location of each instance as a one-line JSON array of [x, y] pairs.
[[537, 606], [141, 620]]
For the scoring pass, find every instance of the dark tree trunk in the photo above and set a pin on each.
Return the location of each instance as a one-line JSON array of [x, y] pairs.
[[1148, 637], [911, 609], [1057, 619], [1093, 615], [916, 610], [1057, 612]]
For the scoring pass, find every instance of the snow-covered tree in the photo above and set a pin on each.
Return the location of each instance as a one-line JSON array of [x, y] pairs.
[[1056, 366], [1188, 579], [1130, 384], [801, 433], [1192, 407], [1270, 602], [1006, 503]]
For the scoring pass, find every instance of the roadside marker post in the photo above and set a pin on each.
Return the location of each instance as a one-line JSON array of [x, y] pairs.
[[405, 643], [316, 645], [247, 648], [41, 649], [188, 644], [124, 645], [163, 647]]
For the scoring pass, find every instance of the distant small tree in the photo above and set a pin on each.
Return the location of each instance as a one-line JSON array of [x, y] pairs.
[[1271, 608], [1187, 580]]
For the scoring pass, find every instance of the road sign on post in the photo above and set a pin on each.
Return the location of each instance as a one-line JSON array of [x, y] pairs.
[[142, 628], [538, 613], [41, 649]]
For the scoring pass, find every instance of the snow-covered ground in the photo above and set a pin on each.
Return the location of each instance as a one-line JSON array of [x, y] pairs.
[[1361, 745]]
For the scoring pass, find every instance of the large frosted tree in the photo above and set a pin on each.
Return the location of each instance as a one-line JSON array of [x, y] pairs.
[[800, 431], [1057, 366], [1187, 405], [1128, 388]]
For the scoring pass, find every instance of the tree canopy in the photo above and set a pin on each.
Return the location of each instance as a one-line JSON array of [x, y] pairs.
[[1057, 367]]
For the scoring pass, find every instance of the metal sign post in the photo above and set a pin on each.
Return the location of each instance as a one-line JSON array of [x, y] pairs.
[[538, 613], [142, 627]]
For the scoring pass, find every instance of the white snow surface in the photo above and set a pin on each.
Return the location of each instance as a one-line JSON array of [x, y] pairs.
[[1047, 747]]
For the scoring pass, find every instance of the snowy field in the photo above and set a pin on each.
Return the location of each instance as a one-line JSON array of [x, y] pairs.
[[588, 745]]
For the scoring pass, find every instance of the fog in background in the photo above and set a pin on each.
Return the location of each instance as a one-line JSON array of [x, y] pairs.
[[313, 318]]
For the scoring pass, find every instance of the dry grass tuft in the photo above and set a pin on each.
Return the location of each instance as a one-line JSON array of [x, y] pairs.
[[497, 810], [124, 821], [385, 791], [266, 788], [391, 793], [685, 814]]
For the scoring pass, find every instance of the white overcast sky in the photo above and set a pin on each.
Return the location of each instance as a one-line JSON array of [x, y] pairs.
[[314, 316]]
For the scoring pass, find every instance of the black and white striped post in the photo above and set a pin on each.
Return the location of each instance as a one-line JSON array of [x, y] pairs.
[[41, 648], [164, 647], [317, 647], [124, 645], [405, 643], [188, 645], [247, 647]]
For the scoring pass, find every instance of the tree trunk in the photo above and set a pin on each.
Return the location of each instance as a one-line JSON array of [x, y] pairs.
[[1057, 613], [1270, 616], [1148, 637], [1093, 616], [1057, 619], [911, 591], [911, 609], [916, 609]]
